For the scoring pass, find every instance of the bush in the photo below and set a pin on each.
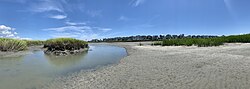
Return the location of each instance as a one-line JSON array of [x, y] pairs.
[[7, 44], [140, 44], [65, 44]]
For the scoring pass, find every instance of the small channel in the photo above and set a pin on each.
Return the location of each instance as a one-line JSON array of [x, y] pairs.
[[29, 71]]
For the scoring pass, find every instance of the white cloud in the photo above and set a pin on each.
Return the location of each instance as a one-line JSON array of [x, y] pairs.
[[69, 28], [78, 31], [105, 29], [136, 3], [9, 32], [67, 35], [47, 5], [23, 38], [58, 16], [3, 27], [74, 23]]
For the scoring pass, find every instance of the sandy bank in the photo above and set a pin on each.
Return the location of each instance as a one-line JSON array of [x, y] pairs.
[[147, 67]]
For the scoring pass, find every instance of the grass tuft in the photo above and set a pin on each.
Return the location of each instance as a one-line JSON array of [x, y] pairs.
[[8, 44], [65, 44]]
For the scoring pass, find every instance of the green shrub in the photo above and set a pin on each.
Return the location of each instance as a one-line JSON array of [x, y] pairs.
[[140, 44], [7, 44]]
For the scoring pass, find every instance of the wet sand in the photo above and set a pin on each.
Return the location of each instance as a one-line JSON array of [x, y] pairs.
[[20, 53], [149, 67]]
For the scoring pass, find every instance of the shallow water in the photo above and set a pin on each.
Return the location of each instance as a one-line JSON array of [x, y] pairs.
[[36, 69]]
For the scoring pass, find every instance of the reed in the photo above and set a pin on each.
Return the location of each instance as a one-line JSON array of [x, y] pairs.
[[8, 44], [65, 44], [34, 42]]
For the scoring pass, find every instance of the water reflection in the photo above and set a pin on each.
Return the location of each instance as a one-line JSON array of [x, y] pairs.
[[36, 69], [64, 61], [9, 64]]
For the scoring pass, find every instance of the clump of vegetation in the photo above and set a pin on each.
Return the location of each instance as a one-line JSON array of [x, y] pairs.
[[156, 43], [8, 44], [34, 42], [205, 42], [190, 42], [62, 44], [140, 44], [237, 38]]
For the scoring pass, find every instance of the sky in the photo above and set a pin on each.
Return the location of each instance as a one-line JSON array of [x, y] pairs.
[[96, 19]]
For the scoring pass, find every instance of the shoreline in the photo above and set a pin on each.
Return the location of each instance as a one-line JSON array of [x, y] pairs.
[[20, 53]]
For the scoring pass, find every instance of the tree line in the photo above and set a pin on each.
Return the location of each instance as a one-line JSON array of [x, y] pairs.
[[150, 38]]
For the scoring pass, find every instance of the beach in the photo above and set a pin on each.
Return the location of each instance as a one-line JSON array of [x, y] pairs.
[[170, 67]]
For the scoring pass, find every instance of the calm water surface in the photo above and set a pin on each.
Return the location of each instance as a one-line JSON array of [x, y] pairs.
[[35, 69]]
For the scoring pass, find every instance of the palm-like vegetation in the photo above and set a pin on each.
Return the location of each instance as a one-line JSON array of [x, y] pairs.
[[7, 44]]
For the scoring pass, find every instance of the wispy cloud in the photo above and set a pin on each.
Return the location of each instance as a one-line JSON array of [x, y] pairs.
[[136, 3], [16, 1], [78, 31], [9, 32], [58, 16], [46, 6], [75, 23], [63, 34], [69, 28], [123, 18], [105, 29], [94, 13]]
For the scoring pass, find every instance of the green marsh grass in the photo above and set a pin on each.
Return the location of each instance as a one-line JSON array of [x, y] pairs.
[[34, 42], [200, 42], [65, 44], [8, 44], [156, 43], [205, 42]]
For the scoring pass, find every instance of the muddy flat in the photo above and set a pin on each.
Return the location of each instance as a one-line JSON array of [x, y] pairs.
[[150, 67]]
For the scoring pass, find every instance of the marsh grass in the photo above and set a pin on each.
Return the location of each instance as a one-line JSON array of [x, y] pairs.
[[65, 44], [205, 42], [193, 42], [156, 43], [237, 38], [7, 44], [34, 42]]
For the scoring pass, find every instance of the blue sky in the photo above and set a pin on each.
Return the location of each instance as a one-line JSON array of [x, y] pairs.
[[89, 19]]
